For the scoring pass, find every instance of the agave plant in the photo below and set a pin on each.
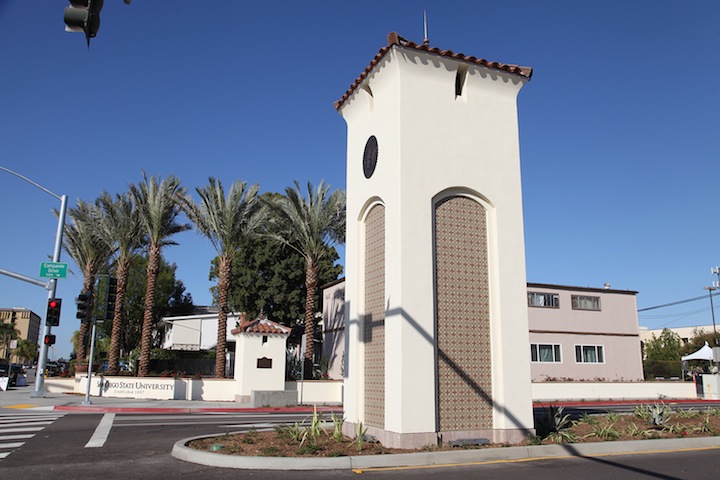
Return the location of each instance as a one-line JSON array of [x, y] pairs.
[[554, 420], [659, 414]]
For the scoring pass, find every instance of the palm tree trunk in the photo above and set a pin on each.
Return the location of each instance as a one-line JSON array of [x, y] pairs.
[[311, 275], [223, 289], [146, 342], [123, 267]]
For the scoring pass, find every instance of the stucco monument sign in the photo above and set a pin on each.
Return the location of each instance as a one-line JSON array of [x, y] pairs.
[[435, 259]]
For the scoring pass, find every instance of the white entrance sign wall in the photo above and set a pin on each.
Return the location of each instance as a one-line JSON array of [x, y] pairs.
[[130, 387]]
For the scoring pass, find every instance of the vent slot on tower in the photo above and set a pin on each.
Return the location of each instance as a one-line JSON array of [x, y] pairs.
[[460, 79], [366, 88]]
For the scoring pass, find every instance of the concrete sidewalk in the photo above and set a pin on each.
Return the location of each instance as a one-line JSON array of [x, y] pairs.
[[21, 398]]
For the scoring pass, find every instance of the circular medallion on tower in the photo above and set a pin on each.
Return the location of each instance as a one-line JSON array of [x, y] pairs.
[[370, 156]]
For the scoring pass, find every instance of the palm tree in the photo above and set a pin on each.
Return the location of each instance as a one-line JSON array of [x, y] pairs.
[[124, 234], [226, 221], [309, 225], [83, 241], [157, 202], [26, 351], [8, 333]]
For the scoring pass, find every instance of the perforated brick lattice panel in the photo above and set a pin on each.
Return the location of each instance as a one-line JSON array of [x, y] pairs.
[[374, 318], [463, 316]]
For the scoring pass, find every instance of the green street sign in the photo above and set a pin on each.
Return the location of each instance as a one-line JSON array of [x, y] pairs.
[[53, 270]]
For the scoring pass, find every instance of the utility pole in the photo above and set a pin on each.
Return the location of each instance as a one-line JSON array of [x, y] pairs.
[[712, 312]]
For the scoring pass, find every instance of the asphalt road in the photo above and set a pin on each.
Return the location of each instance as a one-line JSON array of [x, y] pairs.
[[130, 446]]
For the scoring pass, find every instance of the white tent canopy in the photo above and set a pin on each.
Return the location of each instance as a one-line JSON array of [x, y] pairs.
[[705, 353]]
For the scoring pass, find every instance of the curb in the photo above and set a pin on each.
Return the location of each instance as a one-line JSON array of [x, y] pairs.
[[448, 458]]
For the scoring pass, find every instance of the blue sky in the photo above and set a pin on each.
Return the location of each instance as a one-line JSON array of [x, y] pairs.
[[619, 126]]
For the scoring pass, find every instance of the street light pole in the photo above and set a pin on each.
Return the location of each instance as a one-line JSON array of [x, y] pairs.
[[52, 284], [712, 312]]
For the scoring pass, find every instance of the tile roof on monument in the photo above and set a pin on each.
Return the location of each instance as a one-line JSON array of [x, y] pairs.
[[395, 39], [259, 325]]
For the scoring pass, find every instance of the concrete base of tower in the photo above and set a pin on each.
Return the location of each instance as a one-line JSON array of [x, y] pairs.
[[422, 439]]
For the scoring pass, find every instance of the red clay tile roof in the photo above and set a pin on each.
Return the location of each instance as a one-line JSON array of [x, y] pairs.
[[259, 325], [395, 39]]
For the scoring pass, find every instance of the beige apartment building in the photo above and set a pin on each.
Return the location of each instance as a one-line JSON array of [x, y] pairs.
[[27, 322], [580, 333], [576, 333]]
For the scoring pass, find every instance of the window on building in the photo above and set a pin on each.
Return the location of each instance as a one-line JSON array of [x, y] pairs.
[[543, 300], [545, 353], [589, 354], [581, 302]]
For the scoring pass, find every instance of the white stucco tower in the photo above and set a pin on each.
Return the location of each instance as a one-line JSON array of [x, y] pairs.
[[436, 309]]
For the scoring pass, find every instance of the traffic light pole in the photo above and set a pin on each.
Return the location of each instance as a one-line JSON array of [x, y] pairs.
[[52, 286]]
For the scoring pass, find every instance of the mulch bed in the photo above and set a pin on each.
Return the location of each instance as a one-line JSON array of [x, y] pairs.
[[596, 428]]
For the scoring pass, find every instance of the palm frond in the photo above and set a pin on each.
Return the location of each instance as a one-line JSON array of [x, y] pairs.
[[158, 203], [225, 219]]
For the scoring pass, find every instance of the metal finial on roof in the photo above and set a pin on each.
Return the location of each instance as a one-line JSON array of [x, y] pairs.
[[426, 40]]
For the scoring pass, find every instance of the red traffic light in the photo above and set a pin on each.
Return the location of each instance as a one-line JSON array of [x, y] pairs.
[[53, 312], [49, 340]]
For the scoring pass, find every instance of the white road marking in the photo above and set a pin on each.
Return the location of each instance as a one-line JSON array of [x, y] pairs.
[[23, 429], [16, 424], [4, 420], [12, 445], [101, 432], [16, 437], [24, 423]]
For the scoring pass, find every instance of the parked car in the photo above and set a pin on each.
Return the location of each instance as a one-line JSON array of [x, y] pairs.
[[12, 371]]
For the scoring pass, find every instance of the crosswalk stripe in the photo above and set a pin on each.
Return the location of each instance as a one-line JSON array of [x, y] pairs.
[[12, 445], [4, 421], [23, 426], [25, 423], [31, 415], [16, 437], [102, 431], [22, 429]]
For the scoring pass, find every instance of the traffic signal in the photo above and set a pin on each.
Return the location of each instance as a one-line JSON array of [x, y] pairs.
[[83, 306], [49, 340], [52, 317], [83, 16], [111, 294]]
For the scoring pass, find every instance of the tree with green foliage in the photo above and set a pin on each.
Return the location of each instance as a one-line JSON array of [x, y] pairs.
[[269, 278], [697, 341], [158, 204], [662, 355], [225, 220], [8, 333], [170, 299], [26, 351], [309, 224]]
